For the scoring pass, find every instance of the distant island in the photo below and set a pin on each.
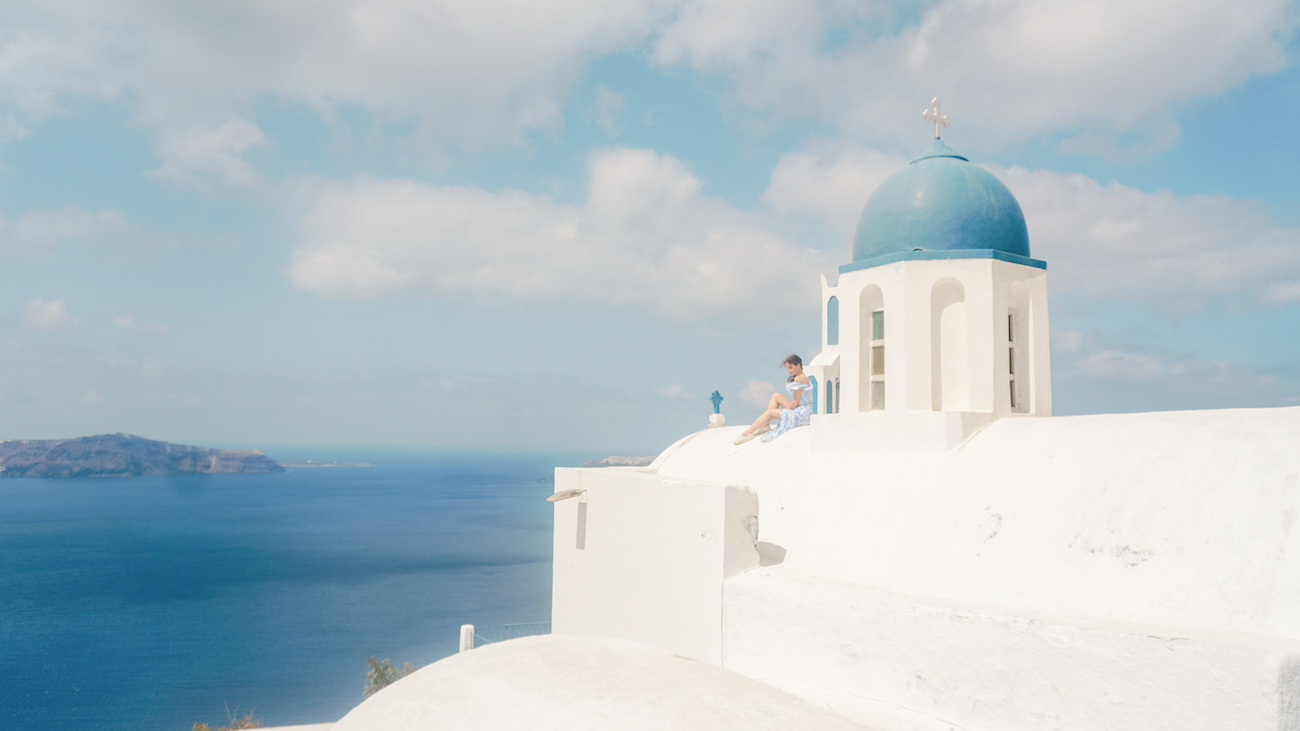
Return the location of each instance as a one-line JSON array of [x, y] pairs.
[[314, 463], [614, 461], [122, 455], [618, 461]]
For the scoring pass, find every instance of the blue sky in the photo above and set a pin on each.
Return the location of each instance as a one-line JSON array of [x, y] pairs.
[[502, 226]]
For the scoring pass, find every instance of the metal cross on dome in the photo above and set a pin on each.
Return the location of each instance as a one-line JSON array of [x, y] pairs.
[[933, 115]]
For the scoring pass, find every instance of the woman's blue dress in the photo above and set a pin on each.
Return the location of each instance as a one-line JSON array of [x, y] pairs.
[[791, 418]]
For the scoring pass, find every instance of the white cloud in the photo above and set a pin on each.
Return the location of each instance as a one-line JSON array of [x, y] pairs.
[[53, 315], [1069, 340], [1167, 372], [757, 392], [608, 109], [153, 368], [645, 237], [675, 392], [1104, 240], [472, 71], [489, 71], [193, 152], [829, 183], [1076, 357], [1115, 241], [38, 230], [735, 33], [144, 327], [1119, 365], [1283, 293], [1010, 68]]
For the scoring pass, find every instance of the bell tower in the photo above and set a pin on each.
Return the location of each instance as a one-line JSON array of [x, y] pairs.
[[942, 310]]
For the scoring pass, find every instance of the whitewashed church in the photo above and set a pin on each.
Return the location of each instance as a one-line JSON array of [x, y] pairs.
[[935, 551]]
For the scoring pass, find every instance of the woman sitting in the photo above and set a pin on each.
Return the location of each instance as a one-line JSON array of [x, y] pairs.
[[792, 411]]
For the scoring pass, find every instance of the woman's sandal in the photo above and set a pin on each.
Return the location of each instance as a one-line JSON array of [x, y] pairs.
[[758, 432]]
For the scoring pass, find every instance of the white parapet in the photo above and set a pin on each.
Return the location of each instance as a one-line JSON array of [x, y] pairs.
[[834, 643], [642, 558], [1121, 571]]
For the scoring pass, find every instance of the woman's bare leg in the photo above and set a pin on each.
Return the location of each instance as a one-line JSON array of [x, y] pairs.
[[774, 406], [763, 420], [779, 401]]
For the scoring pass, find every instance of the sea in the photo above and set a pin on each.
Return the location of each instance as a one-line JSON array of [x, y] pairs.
[[153, 603]]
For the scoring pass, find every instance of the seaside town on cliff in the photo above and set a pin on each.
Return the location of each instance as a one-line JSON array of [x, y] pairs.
[[932, 552]]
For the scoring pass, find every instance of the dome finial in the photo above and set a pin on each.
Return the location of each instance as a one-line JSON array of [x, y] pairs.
[[934, 116]]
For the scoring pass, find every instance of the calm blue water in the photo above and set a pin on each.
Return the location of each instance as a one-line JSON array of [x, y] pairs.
[[153, 603]]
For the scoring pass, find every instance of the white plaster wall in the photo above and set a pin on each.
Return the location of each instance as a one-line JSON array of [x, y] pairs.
[[950, 354], [906, 432], [907, 290], [1179, 519], [825, 367], [986, 671], [827, 293], [643, 558], [1131, 571], [1040, 345]]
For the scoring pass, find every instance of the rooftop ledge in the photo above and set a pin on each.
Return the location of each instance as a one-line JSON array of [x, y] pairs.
[[943, 254]]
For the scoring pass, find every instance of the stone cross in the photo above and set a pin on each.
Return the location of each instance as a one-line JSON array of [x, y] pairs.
[[933, 115], [716, 398]]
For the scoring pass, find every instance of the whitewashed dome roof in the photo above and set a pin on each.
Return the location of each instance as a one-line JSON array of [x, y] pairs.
[[573, 682]]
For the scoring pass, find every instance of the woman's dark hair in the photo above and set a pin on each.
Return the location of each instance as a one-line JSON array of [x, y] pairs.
[[796, 360]]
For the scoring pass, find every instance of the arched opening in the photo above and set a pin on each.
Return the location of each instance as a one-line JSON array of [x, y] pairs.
[[812, 380], [949, 347], [833, 321], [1019, 350], [871, 369], [830, 396]]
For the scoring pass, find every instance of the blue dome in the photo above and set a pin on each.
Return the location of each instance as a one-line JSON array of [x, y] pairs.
[[941, 202]]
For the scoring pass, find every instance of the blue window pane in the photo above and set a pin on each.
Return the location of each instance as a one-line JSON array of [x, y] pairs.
[[833, 321]]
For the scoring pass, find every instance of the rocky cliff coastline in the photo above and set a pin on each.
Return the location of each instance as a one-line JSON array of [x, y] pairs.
[[122, 455]]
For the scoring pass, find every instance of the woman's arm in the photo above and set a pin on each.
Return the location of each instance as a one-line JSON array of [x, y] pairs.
[[798, 392]]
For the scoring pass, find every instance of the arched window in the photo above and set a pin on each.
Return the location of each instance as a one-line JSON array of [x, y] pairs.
[[833, 321], [871, 369], [830, 397], [813, 381]]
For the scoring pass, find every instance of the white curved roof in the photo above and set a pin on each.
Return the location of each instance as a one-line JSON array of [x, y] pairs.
[[573, 683]]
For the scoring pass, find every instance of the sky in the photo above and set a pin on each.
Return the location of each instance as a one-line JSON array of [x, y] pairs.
[[501, 226]]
